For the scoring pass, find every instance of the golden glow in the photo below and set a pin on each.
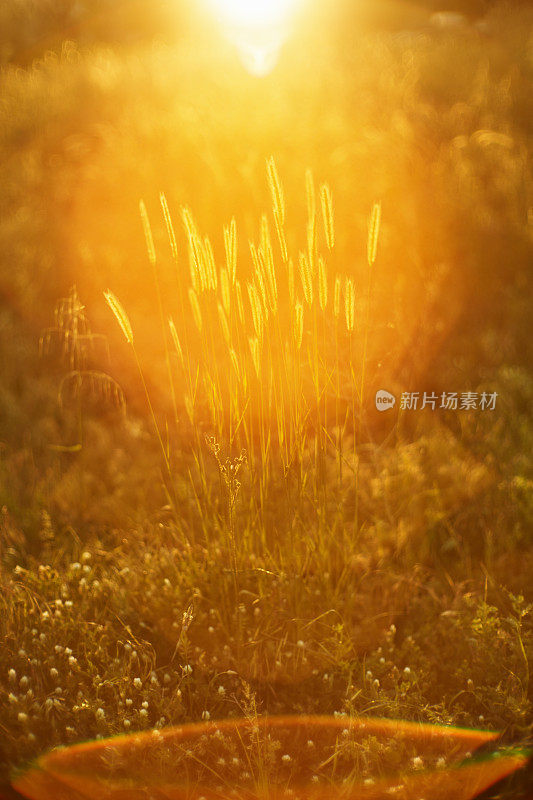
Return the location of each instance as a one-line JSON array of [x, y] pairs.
[[254, 13], [257, 28]]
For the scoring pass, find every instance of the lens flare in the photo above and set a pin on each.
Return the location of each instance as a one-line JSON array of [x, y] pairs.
[[319, 758], [254, 13], [257, 28]]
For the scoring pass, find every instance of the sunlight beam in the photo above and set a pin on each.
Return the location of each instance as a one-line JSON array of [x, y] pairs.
[[257, 28]]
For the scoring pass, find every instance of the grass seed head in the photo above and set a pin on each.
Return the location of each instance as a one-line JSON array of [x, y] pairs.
[[210, 266], [276, 190], [349, 303], [230, 245], [147, 233], [298, 324], [373, 233], [122, 318], [170, 227], [257, 311], [306, 276], [327, 214]]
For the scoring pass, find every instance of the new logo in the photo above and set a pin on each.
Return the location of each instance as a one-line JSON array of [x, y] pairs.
[[384, 400]]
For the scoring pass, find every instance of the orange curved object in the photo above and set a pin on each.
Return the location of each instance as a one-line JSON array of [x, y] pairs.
[[276, 758]]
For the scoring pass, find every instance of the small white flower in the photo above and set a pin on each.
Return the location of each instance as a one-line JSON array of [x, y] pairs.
[[54, 673], [137, 682], [126, 723], [12, 675], [310, 743], [86, 556], [300, 643], [418, 762], [187, 669], [210, 629], [144, 703], [143, 712], [24, 682], [129, 702], [406, 671], [286, 758], [206, 715], [12, 698], [22, 717], [221, 690], [100, 713]]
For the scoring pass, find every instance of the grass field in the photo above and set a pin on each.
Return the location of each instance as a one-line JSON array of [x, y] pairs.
[[203, 513]]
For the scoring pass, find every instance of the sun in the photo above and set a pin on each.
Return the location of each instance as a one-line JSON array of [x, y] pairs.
[[254, 14], [257, 28]]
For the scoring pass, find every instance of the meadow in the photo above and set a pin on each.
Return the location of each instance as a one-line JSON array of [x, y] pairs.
[[206, 276]]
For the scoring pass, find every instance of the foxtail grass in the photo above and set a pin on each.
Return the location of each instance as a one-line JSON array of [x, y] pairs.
[[254, 357]]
